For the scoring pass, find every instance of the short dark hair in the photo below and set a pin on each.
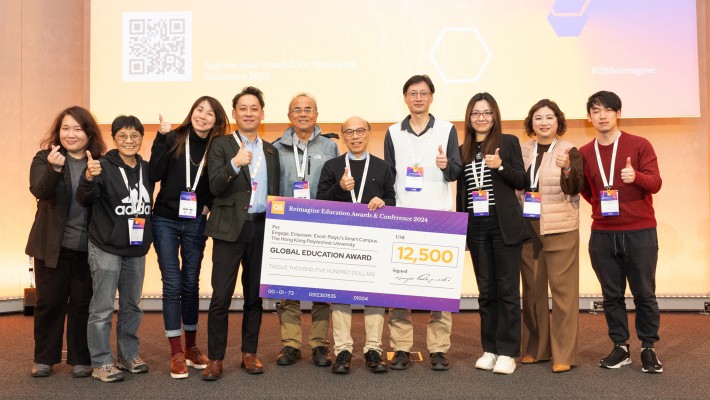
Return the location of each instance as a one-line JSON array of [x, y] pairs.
[[604, 99], [561, 121], [416, 79], [252, 91], [126, 121]]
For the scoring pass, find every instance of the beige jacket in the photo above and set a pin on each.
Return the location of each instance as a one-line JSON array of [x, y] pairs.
[[558, 212]]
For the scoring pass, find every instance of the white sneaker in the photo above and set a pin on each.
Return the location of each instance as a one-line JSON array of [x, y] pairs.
[[487, 361], [504, 365]]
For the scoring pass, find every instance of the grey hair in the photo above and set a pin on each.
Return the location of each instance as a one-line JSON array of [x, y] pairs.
[[303, 94]]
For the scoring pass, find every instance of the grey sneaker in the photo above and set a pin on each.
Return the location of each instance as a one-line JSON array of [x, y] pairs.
[[134, 365], [81, 371], [41, 370], [107, 373]]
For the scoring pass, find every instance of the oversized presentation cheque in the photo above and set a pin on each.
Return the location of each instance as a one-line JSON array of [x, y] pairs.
[[339, 252]]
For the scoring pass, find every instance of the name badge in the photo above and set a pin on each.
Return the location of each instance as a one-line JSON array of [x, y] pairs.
[[531, 205], [188, 205], [136, 227], [253, 192], [414, 181], [609, 202], [300, 190], [480, 203]]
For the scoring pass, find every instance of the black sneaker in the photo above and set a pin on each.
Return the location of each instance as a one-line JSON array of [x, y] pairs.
[[288, 356], [619, 356], [439, 362], [342, 363], [650, 362], [401, 360], [321, 358], [374, 362]]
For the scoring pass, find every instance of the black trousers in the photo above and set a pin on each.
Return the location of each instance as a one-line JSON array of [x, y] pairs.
[[618, 257], [62, 292], [226, 257], [497, 268]]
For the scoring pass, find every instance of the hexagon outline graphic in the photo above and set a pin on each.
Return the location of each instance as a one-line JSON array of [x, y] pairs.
[[572, 14], [483, 66]]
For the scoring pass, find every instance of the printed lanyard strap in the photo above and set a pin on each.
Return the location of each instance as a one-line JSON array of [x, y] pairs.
[[261, 155], [476, 181], [136, 206], [534, 178], [300, 166], [187, 166], [416, 161], [362, 182], [610, 183]]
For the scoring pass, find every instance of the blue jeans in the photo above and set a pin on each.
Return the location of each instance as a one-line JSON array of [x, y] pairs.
[[110, 273], [181, 286]]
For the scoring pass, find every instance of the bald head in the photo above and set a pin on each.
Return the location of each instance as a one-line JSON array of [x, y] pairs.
[[356, 135]]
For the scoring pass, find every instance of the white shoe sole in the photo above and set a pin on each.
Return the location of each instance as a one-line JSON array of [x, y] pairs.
[[179, 376], [195, 366], [503, 371], [617, 366]]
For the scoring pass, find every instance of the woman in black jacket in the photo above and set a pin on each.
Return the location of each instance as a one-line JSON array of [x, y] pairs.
[[178, 161], [58, 242], [496, 228]]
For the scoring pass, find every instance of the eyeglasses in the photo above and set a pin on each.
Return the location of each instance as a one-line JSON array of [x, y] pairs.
[[485, 114], [122, 137], [307, 111], [423, 95], [355, 132]]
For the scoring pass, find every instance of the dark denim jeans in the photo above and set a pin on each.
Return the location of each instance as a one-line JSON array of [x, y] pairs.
[[181, 285]]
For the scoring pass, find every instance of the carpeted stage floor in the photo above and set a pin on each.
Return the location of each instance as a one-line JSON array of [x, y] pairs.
[[684, 351]]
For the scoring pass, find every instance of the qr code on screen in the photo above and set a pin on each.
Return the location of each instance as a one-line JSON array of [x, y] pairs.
[[157, 46]]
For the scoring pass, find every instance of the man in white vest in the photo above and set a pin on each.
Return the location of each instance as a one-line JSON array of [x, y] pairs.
[[423, 153]]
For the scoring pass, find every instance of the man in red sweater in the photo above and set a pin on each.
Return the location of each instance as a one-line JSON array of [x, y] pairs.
[[621, 174]]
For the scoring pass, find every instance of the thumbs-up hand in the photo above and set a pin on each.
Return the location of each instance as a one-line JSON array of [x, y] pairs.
[[562, 160], [165, 126], [242, 158], [493, 161], [347, 182], [56, 159], [628, 175], [441, 160], [93, 167]]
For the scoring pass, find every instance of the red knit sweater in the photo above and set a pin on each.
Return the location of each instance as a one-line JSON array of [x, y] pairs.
[[635, 201]]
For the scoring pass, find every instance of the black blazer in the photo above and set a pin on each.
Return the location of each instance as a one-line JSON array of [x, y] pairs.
[[510, 213], [232, 192], [53, 192]]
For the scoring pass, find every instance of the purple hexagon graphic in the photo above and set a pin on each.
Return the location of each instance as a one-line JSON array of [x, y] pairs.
[[568, 17]]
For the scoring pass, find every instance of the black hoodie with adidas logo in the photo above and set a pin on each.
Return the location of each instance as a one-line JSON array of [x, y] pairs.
[[111, 205]]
